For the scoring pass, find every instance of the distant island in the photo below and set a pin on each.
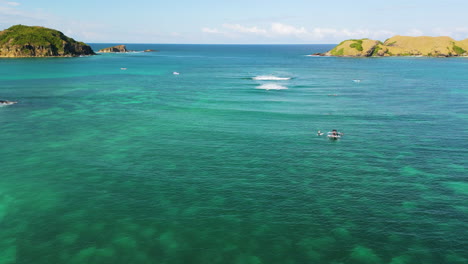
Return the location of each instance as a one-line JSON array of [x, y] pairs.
[[120, 49], [35, 41], [114, 49], [400, 46]]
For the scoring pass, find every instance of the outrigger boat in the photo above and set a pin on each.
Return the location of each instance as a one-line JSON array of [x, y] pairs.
[[6, 102], [334, 134]]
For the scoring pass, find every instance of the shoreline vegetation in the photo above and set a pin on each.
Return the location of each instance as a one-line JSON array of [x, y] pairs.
[[33, 41], [400, 46]]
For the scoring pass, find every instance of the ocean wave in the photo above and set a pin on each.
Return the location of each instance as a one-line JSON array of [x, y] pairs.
[[270, 78], [272, 86]]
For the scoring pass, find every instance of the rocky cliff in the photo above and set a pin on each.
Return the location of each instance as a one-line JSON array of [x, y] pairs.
[[401, 46], [26, 41], [118, 48]]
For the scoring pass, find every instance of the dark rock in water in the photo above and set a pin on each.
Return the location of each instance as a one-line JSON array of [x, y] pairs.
[[118, 48], [26, 41]]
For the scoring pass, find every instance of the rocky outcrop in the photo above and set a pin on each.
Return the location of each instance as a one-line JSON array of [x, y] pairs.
[[26, 41], [401, 46], [118, 48]]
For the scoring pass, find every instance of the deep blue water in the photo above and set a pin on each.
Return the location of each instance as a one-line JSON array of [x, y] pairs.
[[114, 159]]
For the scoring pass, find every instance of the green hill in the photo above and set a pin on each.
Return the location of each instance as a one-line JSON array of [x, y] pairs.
[[27, 41], [401, 46]]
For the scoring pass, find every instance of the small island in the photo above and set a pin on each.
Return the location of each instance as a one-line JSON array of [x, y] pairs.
[[35, 41], [400, 46], [121, 49], [114, 49]]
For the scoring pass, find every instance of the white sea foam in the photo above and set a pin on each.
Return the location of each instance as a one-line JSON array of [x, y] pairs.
[[272, 86], [270, 78]]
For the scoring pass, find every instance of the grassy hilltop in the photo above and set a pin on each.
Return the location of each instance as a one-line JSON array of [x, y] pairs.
[[26, 41], [401, 46]]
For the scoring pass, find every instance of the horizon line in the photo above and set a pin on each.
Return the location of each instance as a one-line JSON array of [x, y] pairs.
[[129, 43]]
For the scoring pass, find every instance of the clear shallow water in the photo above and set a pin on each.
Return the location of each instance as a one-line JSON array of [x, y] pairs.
[[103, 165]]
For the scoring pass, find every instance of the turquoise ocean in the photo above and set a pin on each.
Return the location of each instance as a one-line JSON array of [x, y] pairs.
[[114, 159]]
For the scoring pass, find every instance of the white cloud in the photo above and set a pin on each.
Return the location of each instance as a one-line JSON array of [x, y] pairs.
[[279, 31], [458, 33], [414, 32], [210, 30], [11, 16], [282, 29], [243, 29], [382, 34], [461, 29], [13, 3]]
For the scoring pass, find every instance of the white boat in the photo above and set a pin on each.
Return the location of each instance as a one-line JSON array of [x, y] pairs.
[[6, 102], [175, 73]]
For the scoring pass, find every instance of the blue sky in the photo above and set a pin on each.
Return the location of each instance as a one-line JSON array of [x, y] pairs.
[[239, 21]]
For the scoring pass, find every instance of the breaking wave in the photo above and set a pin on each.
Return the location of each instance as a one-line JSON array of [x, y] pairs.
[[272, 86], [270, 78]]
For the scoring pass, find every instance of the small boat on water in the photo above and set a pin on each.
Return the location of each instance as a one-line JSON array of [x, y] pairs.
[[6, 102], [175, 73], [334, 135]]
